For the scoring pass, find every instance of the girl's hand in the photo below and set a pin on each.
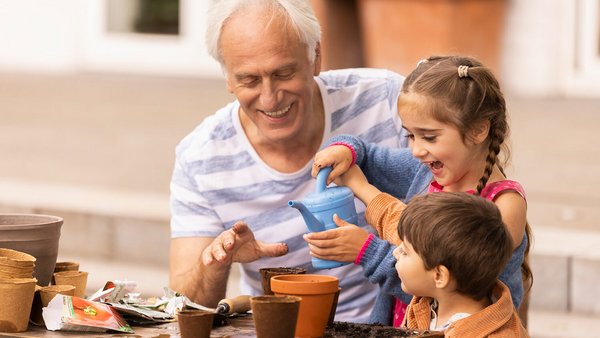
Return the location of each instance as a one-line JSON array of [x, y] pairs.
[[336, 156], [342, 244]]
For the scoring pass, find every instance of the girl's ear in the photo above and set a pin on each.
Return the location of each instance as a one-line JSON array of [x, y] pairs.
[[441, 277], [480, 132]]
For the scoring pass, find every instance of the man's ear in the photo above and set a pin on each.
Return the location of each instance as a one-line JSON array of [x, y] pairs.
[[480, 132], [441, 276], [318, 59]]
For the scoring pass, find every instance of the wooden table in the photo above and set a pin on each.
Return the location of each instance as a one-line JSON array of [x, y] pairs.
[[240, 327]]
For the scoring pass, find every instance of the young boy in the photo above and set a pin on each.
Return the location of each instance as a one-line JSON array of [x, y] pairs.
[[454, 246]]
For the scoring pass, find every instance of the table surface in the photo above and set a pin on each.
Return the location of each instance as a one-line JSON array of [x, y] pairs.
[[241, 327]]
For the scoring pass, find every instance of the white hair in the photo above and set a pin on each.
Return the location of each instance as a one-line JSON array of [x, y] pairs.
[[299, 13]]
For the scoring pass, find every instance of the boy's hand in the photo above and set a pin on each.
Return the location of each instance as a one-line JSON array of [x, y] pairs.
[[338, 157], [341, 244]]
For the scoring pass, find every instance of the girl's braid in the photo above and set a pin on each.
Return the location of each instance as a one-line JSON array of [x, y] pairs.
[[496, 140]]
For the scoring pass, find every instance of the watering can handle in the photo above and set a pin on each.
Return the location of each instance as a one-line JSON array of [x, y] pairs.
[[322, 178]]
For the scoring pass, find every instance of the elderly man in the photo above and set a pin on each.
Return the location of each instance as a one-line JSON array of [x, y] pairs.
[[236, 171]]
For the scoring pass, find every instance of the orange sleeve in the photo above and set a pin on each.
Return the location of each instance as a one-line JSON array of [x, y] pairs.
[[383, 213]]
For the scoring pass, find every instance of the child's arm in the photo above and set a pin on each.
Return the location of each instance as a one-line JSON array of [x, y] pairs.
[[513, 209], [383, 213], [391, 170]]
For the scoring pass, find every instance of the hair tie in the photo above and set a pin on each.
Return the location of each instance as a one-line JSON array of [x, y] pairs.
[[463, 71], [422, 61]]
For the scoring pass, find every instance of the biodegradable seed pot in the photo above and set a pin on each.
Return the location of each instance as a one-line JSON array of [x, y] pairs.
[[16, 298], [195, 323], [275, 316], [37, 235], [267, 273], [317, 293]]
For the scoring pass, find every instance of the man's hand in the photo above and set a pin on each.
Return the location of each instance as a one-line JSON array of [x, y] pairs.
[[239, 245]]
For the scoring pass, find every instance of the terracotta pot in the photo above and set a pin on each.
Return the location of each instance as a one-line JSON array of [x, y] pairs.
[[275, 316], [399, 33], [16, 297], [317, 293], [195, 323], [267, 273], [37, 235], [334, 307], [78, 279]]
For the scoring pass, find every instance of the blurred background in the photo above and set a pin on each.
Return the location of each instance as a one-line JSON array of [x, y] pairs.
[[95, 95]]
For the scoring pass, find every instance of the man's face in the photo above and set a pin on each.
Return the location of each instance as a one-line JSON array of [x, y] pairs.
[[269, 72]]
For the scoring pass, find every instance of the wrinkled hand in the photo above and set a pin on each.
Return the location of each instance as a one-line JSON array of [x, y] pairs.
[[341, 244], [239, 245], [338, 157]]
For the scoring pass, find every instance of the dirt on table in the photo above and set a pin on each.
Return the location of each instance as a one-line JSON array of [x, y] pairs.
[[354, 330]]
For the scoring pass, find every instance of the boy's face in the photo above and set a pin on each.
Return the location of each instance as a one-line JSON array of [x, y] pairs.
[[416, 280]]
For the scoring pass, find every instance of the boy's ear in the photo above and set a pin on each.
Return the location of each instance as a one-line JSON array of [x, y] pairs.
[[480, 132], [441, 277]]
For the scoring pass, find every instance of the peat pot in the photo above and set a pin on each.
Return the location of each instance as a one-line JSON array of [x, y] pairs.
[[37, 235]]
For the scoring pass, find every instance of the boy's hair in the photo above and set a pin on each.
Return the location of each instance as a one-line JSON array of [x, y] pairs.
[[462, 232]]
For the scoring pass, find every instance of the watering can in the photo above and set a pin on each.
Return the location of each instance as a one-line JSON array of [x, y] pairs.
[[318, 209]]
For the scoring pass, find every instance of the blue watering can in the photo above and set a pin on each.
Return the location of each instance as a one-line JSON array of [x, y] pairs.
[[318, 208]]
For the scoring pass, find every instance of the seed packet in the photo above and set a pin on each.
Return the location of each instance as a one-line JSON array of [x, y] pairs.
[[67, 313]]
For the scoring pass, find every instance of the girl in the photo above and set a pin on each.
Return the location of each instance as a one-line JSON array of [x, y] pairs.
[[455, 116]]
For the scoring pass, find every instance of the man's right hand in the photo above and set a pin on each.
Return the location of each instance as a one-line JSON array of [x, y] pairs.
[[239, 245]]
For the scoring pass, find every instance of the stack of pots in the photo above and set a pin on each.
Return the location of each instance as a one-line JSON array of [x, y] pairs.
[[17, 287], [28, 251]]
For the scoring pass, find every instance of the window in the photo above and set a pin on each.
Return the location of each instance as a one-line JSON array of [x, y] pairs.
[[143, 16]]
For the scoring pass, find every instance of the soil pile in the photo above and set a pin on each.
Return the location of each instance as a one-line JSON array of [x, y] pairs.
[[354, 330]]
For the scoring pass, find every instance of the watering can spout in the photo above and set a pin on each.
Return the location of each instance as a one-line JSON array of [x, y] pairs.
[[313, 224]]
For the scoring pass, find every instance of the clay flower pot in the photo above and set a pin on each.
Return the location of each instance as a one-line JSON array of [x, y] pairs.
[[195, 323], [78, 279], [267, 273], [275, 316], [317, 293], [16, 297], [37, 235]]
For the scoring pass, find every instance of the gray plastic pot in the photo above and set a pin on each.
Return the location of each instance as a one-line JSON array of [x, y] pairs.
[[37, 235]]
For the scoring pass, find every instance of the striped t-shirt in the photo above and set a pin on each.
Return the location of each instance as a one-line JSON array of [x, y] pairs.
[[219, 179]]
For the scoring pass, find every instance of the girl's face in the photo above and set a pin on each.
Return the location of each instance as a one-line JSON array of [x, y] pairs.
[[455, 165], [416, 280]]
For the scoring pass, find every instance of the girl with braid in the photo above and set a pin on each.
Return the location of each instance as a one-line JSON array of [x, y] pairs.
[[455, 115]]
